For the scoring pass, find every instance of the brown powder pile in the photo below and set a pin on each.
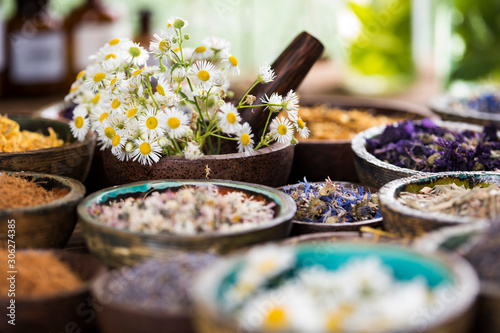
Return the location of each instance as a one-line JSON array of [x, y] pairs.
[[19, 192], [38, 274], [328, 123]]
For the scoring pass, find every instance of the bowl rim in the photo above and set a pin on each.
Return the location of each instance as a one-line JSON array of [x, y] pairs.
[[287, 210], [358, 146], [464, 277], [387, 195], [90, 137], [75, 194], [441, 105]]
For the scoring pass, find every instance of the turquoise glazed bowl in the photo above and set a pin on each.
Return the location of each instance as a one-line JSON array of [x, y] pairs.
[[119, 247], [453, 315]]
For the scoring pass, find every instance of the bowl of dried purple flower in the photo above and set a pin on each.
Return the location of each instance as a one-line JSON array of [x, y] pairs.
[[416, 205], [125, 224], [333, 206], [386, 153]]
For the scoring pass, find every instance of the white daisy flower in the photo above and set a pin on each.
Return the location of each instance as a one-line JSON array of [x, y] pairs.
[[192, 151], [300, 125], [282, 129], [118, 145], [291, 104], [147, 151], [116, 81], [179, 74], [229, 119], [152, 122], [97, 79], [177, 22], [106, 52], [131, 128], [231, 61], [177, 123], [202, 52], [80, 124], [111, 65], [105, 133], [97, 115], [266, 74], [162, 43], [169, 100], [274, 102], [203, 73], [216, 43], [135, 53], [220, 79], [163, 85], [245, 139]]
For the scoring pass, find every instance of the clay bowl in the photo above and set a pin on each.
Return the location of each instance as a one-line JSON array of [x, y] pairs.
[[452, 317], [303, 227], [70, 311], [318, 159], [411, 223], [70, 160], [351, 236], [117, 247], [44, 226], [377, 173]]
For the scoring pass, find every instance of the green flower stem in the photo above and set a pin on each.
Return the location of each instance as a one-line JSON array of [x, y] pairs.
[[245, 95], [150, 89], [257, 105], [176, 145], [224, 137]]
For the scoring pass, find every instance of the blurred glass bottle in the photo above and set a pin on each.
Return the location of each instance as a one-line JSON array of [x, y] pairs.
[[36, 50]]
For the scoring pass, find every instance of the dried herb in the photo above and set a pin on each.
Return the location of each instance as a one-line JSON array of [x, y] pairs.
[[485, 252], [479, 202], [330, 202], [488, 102], [40, 274], [18, 192], [328, 123], [424, 146], [155, 285]]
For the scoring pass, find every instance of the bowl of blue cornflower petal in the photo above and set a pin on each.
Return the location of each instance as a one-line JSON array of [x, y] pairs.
[[333, 207]]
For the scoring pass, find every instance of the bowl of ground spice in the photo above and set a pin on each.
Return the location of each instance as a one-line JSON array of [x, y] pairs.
[[47, 291], [416, 205], [125, 224], [333, 122], [37, 210], [44, 146]]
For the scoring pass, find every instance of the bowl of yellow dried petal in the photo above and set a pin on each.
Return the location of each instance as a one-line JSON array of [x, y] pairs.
[[44, 146]]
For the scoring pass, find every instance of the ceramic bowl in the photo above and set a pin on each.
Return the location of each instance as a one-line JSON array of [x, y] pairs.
[[117, 247], [70, 160], [408, 222], [453, 316], [351, 236], [377, 173], [303, 227], [70, 311], [44, 226], [318, 159]]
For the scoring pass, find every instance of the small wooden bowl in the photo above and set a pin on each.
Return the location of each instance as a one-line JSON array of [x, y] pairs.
[[377, 173], [70, 311], [304, 227], [116, 247], [411, 223], [70, 160], [442, 105], [453, 317], [44, 226], [319, 159]]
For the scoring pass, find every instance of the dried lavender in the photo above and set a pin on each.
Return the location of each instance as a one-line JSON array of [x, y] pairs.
[[333, 203], [155, 285], [485, 253], [478, 202], [189, 211], [488, 102], [424, 146]]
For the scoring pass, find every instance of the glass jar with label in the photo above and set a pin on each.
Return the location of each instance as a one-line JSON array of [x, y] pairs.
[[36, 51]]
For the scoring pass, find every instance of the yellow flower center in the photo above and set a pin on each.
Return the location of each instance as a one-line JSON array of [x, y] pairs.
[[145, 148], [177, 49], [151, 122], [200, 49], [113, 81], [245, 139], [173, 123], [103, 116], [96, 98], [163, 45], [75, 88], [109, 132], [160, 90], [116, 140], [231, 118], [99, 77], [109, 56], [137, 72], [79, 122], [131, 112], [114, 41], [233, 61], [79, 76], [116, 103], [282, 129], [300, 123], [275, 319], [203, 75]]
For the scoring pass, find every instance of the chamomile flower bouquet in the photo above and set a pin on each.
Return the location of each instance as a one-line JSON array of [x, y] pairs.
[[176, 107]]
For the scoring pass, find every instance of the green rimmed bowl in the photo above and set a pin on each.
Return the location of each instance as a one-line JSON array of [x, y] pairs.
[[411, 223], [117, 247], [453, 315], [48, 225]]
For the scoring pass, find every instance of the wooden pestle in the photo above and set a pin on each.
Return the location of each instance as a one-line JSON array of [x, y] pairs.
[[291, 67]]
